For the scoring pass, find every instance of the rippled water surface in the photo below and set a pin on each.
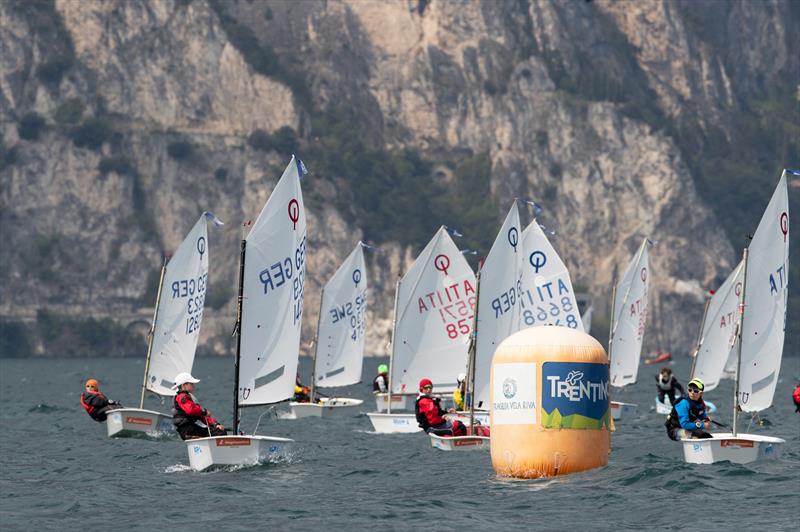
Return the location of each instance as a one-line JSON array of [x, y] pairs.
[[60, 471]]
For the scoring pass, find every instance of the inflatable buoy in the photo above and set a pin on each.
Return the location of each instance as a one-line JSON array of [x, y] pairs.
[[549, 408]]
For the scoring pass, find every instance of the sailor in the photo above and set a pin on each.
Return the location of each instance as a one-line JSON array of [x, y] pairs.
[[796, 398], [381, 383], [190, 419], [461, 392], [688, 418], [429, 413], [95, 403], [667, 384], [301, 393]]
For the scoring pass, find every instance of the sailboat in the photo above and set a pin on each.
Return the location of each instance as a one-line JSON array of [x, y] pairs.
[[628, 319], [497, 316], [339, 346], [173, 334], [268, 321], [716, 339], [432, 324], [760, 332]]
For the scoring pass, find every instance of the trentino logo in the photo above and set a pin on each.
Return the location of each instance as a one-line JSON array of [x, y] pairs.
[[574, 388]]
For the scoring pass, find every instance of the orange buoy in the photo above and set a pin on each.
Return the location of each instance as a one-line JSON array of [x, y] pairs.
[[549, 408]]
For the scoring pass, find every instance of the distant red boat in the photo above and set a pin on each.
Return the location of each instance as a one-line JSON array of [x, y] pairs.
[[661, 356]]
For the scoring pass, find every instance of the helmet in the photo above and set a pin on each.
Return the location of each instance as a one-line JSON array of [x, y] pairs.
[[93, 383], [183, 378], [425, 382], [383, 368], [461, 377], [698, 383]]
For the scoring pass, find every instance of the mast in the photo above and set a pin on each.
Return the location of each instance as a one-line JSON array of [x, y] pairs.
[[239, 302], [739, 339], [391, 353], [316, 346], [473, 349], [611, 323], [152, 331], [700, 338]]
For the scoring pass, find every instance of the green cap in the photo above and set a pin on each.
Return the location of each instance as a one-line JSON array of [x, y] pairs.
[[698, 383], [383, 368]]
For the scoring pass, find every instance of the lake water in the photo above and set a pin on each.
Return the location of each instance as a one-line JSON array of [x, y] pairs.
[[60, 471]]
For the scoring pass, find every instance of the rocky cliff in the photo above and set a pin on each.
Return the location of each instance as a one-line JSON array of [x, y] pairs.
[[122, 121]]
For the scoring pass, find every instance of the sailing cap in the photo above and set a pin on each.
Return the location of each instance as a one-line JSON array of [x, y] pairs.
[[461, 377], [183, 378], [383, 368], [425, 382], [698, 383], [93, 383]]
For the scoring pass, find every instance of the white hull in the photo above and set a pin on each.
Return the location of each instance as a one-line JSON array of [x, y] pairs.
[[216, 451], [127, 422], [742, 449], [327, 408], [399, 402], [481, 417], [666, 407], [622, 410], [394, 423], [459, 443]]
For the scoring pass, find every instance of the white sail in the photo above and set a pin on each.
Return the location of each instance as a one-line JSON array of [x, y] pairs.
[[498, 307], [719, 331], [272, 306], [630, 317], [434, 318], [547, 296], [343, 321], [586, 320], [180, 311], [766, 293]]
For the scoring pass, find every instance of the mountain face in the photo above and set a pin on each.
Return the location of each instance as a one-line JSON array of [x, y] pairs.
[[123, 121]]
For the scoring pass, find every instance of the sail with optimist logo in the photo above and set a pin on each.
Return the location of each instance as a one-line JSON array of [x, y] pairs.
[[629, 317], [434, 316], [179, 310], [273, 275], [498, 305], [766, 291], [339, 350], [547, 296]]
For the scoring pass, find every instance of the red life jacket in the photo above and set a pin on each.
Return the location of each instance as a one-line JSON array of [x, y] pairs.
[[428, 418], [92, 410]]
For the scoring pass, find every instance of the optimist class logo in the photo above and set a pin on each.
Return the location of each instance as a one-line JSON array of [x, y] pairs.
[[513, 238], [294, 212], [442, 263], [201, 246]]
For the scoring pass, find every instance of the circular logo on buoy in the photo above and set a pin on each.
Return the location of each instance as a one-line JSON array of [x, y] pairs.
[[509, 388]]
